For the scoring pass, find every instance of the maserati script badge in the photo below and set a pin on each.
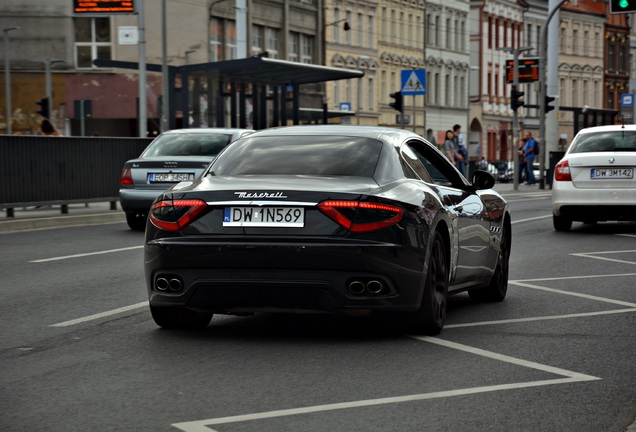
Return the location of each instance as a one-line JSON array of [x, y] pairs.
[[251, 195]]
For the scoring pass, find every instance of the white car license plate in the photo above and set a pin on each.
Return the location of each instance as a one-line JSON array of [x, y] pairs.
[[612, 173], [264, 216], [170, 177]]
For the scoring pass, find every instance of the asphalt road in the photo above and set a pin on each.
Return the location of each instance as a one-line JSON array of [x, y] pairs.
[[79, 350]]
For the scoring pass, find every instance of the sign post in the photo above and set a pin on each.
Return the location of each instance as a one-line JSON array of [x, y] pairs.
[[627, 108], [413, 84]]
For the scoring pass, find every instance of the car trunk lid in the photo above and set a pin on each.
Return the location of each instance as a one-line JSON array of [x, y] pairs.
[[603, 170]]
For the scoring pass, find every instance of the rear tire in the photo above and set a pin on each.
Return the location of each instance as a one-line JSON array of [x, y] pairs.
[[180, 318], [560, 223], [498, 288], [431, 316], [136, 223]]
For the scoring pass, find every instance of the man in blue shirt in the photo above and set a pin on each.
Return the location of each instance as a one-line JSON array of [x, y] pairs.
[[528, 153]]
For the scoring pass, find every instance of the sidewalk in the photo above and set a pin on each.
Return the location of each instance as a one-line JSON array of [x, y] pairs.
[[52, 217]]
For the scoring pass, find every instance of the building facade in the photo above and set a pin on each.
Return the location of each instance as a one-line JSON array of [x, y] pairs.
[[462, 45]]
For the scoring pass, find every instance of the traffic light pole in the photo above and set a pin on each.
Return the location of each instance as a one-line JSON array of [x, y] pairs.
[[515, 117], [543, 91]]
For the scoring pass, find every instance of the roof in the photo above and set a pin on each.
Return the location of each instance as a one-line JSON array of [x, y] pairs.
[[252, 69], [274, 71]]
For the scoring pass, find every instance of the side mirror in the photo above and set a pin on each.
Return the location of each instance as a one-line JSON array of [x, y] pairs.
[[482, 180]]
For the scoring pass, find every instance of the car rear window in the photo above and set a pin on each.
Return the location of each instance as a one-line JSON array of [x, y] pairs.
[[608, 141], [300, 155], [188, 145]]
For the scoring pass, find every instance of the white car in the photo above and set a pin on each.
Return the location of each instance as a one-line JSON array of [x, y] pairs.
[[595, 179]]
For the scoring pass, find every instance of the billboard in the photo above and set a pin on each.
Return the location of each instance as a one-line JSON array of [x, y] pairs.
[[528, 70], [103, 7]]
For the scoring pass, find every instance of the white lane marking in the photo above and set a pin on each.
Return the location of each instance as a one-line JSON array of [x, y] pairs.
[[574, 277], [594, 255], [574, 294], [530, 219], [86, 254], [539, 318], [100, 315], [571, 377]]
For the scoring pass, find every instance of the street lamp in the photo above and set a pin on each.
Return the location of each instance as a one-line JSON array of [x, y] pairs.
[[345, 27], [7, 77], [187, 56]]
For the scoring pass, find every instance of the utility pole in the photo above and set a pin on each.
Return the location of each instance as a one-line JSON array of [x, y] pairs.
[[543, 90], [143, 101], [516, 102], [7, 78], [165, 80]]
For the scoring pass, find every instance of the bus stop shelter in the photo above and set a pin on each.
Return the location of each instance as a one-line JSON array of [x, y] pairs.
[[255, 92]]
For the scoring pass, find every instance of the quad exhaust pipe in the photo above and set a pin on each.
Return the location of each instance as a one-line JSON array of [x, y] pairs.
[[169, 283], [372, 287]]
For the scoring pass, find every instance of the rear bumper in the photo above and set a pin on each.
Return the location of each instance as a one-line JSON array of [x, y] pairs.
[[137, 200], [286, 278], [593, 204]]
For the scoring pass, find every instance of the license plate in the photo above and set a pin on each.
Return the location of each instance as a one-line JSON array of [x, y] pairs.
[[612, 173], [170, 177], [264, 216]]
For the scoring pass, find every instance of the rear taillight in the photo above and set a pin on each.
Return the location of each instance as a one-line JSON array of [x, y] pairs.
[[562, 171], [126, 177], [173, 215], [360, 217]]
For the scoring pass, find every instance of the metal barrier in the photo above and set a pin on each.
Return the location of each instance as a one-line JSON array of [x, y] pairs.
[[39, 170]]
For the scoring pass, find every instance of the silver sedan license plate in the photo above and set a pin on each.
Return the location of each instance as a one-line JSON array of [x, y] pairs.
[[170, 177], [264, 216], [611, 173]]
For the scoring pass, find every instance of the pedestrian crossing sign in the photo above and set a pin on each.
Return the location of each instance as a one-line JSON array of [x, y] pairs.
[[413, 82]]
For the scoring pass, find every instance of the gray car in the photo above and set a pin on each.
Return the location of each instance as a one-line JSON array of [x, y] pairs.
[[174, 156]]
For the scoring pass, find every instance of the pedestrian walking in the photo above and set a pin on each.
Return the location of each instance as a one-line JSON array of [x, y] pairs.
[[461, 153], [528, 154], [450, 149], [523, 169]]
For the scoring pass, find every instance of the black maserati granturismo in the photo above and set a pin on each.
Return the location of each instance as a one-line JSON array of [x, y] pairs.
[[326, 219]]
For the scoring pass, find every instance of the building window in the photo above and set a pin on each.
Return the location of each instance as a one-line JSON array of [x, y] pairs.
[[360, 29], [216, 40], [222, 39], [307, 49], [393, 25], [371, 24], [293, 45], [258, 38], [438, 31], [92, 41], [230, 37], [272, 41]]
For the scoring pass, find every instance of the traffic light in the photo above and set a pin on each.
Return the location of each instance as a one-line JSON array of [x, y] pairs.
[[397, 104], [516, 98], [622, 6], [547, 105], [44, 110]]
